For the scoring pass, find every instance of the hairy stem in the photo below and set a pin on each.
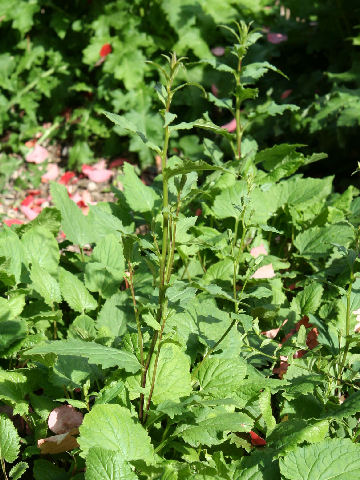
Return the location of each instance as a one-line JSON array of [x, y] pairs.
[[237, 113]]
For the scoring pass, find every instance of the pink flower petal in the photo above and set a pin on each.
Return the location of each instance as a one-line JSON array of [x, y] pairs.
[[28, 200], [29, 212], [260, 250], [276, 38], [38, 155], [65, 418], [272, 333], [256, 439], [214, 90], [65, 179], [218, 51], [30, 143], [97, 175], [231, 126], [12, 221], [266, 271], [286, 93], [52, 173]]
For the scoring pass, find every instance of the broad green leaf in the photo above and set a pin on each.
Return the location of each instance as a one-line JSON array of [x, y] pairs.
[[308, 300], [229, 202], [9, 440], [11, 331], [211, 426], [112, 316], [82, 327], [73, 371], [139, 197], [112, 428], [44, 470], [180, 166], [125, 124], [94, 352], [350, 407], [107, 465], [45, 284], [12, 307], [76, 226], [205, 123], [266, 409], [106, 268], [337, 458], [14, 387], [18, 470], [286, 435], [12, 248], [270, 108], [75, 293], [252, 72], [173, 380], [42, 248], [49, 218], [221, 377], [317, 242]]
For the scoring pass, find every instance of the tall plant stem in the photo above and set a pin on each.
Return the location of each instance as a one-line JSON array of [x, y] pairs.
[[237, 112], [161, 313], [347, 329], [140, 337], [4, 469]]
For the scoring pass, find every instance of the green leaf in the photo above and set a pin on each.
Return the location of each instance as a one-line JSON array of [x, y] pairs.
[[76, 226], [206, 123], [9, 440], [75, 293], [266, 409], [106, 268], [12, 248], [14, 387], [125, 124], [220, 66], [11, 331], [94, 352], [225, 203], [44, 470], [350, 407], [112, 316], [221, 377], [180, 166], [45, 285], [112, 428], [337, 458], [18, 470], [308, 300], [211, 426], [252, 72], [139, 197], [49, 218], [173, 380], [107, 465], [286, 435], [317, 242], [42, 248]]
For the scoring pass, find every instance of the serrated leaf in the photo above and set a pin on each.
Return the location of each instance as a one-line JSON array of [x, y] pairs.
[[112, 428], [42, 248], [98, 354], [252, 72], [75, 293], [266, 410], [76, 226], [205, 123], [12, 248], [180, 166], [139, 197], [49, 218], [9, 440], [18, 470], [14, 387], [173, 380], [112, 315], [221, 377], [308, 300], [211, 430], [225, 202], [337, 458], [125, 124], [45, 285], [107, 465]]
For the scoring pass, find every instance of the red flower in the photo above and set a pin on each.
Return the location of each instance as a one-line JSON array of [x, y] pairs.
[[105, 50]]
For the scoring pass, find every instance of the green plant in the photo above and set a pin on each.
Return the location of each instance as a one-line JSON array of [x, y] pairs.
[[205, 325]]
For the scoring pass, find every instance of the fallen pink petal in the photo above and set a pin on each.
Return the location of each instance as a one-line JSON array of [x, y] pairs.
[[230, 127], [276, 38], [63, 419], [260, 250], [214, 90], [267, 271], [218, 51], [38, 155], [29, 212], [52, 172], [97, 173], [286, 93], [274, 331], [12, 221]]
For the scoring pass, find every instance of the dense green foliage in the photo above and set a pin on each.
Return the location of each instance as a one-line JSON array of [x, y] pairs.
[[159, 317], [52, 71]]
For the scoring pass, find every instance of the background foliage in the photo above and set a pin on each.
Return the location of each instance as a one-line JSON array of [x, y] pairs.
[[52, 71]]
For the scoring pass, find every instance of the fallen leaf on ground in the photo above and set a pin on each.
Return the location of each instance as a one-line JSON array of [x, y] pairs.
[[59, 443]]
